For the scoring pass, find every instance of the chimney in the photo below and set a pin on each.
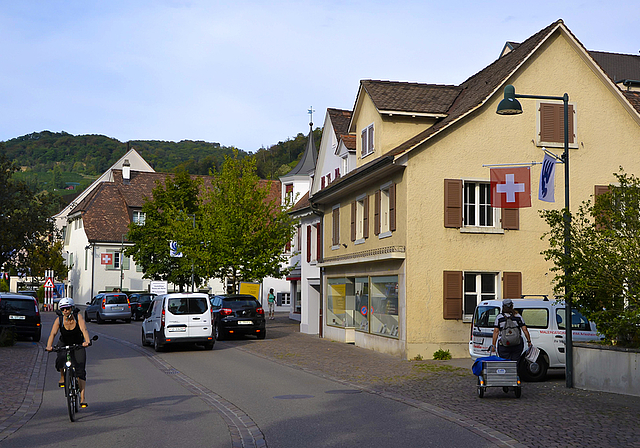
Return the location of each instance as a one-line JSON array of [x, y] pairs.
[[126, 171]]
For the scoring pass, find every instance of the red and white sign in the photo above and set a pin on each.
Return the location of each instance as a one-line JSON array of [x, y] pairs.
[[511, 187], [48, 283], [106, 258]]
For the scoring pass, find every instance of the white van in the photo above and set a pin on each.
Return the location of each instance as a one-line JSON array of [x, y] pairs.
[[177, 318], [545, 320]]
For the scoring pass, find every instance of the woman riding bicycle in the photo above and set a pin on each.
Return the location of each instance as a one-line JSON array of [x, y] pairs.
[[73, 330]]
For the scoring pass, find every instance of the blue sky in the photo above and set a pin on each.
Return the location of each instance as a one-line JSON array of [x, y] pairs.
[[245, 73]]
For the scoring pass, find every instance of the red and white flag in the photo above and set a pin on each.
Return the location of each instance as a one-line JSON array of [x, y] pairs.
[[511, 187], [106, 258]]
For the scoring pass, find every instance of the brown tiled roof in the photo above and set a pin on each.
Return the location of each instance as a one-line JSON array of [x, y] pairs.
[[349, 141], [480, 86], [340, 119], [634, 98], [105, 211], [618, 66], [410, 97], [301, 204]]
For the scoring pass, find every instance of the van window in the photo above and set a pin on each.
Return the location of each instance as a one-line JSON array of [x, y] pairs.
[[187, 305], [578, 321], [535, 317], [15, 305], [485, 316]]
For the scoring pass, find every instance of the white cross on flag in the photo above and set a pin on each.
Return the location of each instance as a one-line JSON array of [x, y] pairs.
[[511, 187], [106, 258]]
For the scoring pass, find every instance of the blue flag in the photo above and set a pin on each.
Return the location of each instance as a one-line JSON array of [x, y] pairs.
[[547, 179]]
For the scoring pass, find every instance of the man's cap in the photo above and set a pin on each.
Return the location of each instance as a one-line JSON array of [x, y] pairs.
[[507, 302]]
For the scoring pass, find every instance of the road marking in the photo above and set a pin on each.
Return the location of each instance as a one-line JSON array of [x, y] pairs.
[[243, 430]]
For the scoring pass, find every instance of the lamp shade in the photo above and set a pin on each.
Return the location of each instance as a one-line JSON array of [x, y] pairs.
[[509, 105]]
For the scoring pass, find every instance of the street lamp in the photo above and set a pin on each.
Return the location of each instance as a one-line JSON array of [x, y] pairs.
[[511, 106]]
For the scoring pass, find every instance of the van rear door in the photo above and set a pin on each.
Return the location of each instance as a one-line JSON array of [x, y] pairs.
[[482, 329]]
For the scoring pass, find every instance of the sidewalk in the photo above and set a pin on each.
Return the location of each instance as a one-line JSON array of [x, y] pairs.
[[547, 415]]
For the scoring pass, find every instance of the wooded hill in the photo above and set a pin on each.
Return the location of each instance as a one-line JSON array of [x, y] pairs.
[[58, 160]]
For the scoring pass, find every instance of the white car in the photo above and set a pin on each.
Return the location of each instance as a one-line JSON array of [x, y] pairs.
[[545, 320], [178, 318]]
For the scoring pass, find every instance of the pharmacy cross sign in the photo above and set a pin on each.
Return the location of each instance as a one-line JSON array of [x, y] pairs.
[[511, 187]]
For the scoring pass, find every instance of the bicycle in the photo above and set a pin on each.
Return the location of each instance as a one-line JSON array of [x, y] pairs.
[[71, 386]]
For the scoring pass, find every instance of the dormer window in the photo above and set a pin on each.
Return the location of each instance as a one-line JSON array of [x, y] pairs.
[[139, 217]]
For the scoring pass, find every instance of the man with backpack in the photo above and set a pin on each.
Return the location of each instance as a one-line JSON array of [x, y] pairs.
[[507, 332]]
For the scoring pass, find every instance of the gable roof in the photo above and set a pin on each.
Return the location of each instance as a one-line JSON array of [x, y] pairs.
[[411, 98], [339, 120]]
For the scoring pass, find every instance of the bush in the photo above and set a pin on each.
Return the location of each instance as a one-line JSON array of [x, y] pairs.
[[442, 355]]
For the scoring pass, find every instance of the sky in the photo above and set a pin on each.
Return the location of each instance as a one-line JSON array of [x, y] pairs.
[[246, 73]]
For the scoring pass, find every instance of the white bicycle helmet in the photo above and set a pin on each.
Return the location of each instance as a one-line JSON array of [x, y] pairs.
[[66, 302]]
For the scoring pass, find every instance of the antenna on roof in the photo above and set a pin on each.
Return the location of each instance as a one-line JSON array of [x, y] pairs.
[[310, 112]]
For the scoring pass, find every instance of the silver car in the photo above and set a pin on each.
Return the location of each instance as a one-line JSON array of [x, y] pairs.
[[108, 306]]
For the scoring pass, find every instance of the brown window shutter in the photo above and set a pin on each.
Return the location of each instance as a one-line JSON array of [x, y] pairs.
[[365, 218], [353, 220], [370, 139], [336, 227], [319, 241], [453, 203], [452, 306], [392, 207], [600, 190], [308, 244], [511, 285], [552, 123], [511, 218], [363, 142], [376, 214]]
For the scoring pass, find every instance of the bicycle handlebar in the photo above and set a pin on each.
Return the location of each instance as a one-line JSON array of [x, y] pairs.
[[73, 346]]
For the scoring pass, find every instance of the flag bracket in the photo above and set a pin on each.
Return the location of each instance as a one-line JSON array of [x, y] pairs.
[[558, 159]]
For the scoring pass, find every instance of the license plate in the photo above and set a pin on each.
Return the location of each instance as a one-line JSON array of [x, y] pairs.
[[245, 322], [17, 317], [178, 329], [117, 308]]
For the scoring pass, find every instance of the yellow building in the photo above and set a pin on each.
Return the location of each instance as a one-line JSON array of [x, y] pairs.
[[411, 242]]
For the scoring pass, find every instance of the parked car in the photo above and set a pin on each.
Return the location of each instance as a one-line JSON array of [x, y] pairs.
[[545, 320], [237, 314], [178, 318], [21, 313], [140, 302], [108, 306]]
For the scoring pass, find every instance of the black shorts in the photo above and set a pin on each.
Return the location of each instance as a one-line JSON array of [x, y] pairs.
[[78, 359], [512, 353]]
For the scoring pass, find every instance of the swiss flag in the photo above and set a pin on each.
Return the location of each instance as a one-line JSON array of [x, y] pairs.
[[511, 187], [106, 258]]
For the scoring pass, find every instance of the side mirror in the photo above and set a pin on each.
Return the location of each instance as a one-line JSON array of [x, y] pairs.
[[88, 303]]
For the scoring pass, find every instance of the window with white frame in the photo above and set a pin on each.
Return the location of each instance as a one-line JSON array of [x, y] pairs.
[[367, 141], [139, 217], [345, 164], [360, 206], [478, 211], [478, 286]]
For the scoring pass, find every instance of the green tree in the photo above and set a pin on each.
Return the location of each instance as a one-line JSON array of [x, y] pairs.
[[24, 216], [604, 265], [167, 216], [244, 227], [40, 255]]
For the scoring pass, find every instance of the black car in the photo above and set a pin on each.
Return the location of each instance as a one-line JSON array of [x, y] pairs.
[[140, 302], [237, 314], [21, 313]]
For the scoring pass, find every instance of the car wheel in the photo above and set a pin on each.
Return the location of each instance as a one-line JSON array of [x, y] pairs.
[[99, 319], [262, 334], [37, 336], [219, 333], [127, 321], [156, 343], [534, 371], [209, 344], [144, 340], [86, 317]]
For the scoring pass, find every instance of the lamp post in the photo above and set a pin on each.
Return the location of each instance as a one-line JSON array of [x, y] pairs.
[[511, 106]]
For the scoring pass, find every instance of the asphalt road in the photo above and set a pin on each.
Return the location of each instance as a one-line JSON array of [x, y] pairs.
[[225, 397]]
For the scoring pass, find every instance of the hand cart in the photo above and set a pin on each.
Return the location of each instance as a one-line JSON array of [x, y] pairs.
[[499, 374]]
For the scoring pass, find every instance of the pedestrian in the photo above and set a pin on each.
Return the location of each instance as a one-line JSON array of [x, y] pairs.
[[507, 332], [271, 299]]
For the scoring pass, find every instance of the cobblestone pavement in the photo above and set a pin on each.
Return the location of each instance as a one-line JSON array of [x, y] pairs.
[[547, 415]]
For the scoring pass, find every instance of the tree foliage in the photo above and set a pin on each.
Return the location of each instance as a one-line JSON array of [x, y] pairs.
[[244, 227], [167, 216], [604, 267], [26, 227]]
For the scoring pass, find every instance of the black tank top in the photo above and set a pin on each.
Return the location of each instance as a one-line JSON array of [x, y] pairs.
[[74, 336]]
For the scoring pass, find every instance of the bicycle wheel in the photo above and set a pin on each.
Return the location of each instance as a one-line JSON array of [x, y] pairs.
[[69, 389]]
